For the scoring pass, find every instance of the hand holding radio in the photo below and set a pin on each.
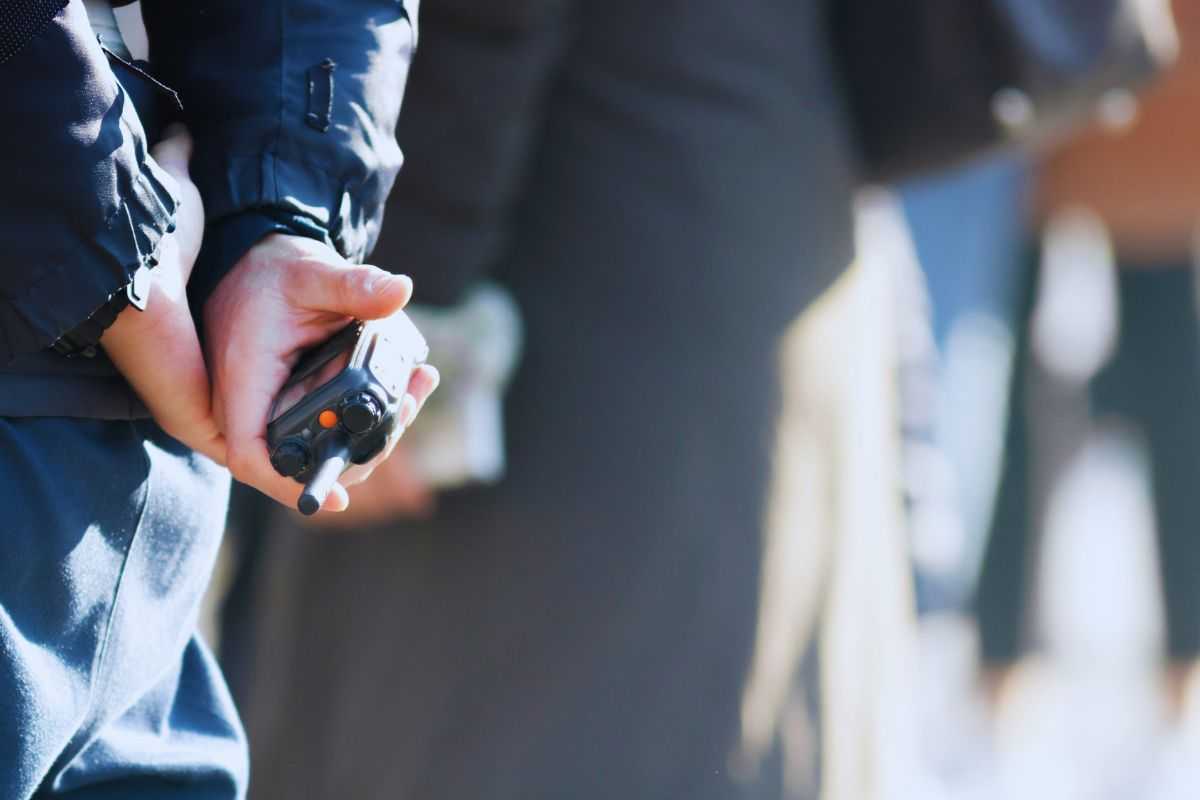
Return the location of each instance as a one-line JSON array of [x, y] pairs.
[[158, 350], [286, 296], [345, 405]]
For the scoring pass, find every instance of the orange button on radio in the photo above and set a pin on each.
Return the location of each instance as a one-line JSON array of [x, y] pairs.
[[328, 418]]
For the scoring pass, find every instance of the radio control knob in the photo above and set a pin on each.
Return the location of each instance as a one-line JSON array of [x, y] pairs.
[[290, 458], [361, 413]]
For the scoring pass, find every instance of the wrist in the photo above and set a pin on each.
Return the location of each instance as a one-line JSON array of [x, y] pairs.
[[84, 339]]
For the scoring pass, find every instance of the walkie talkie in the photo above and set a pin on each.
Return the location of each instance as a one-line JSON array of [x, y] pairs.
[[342, 402]]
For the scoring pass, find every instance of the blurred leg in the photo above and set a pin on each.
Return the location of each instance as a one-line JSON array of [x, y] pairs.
[[1003, 588], [1154, 380]]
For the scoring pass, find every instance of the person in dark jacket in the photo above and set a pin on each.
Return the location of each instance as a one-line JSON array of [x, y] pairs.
[[109, 433], [663, 187]]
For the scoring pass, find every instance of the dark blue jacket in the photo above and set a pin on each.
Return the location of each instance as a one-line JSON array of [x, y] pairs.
[[293, 106]]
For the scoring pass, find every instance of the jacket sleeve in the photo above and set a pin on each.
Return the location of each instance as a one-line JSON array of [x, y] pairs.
[[293, 107], [83, 205]]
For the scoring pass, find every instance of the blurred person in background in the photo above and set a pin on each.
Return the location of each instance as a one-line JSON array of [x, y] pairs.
[[1142, 183], [662, 188], [1137, 178]]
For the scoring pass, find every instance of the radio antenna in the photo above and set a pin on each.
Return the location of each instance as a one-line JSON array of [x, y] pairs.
[[330, 464]]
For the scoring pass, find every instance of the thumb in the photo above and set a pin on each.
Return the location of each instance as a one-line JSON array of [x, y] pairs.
[[174, 151], [352, 290], [172, 154]]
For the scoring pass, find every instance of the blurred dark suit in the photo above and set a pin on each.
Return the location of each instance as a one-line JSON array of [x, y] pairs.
[[663, 187]]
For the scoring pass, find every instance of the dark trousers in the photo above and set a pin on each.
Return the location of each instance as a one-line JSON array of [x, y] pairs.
[[109, 533], [1152, 381]]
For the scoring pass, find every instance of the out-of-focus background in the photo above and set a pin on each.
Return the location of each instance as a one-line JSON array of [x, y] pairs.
[[1051, 456], [980, 557]]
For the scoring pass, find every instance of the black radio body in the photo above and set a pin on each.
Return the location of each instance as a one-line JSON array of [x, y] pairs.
[[342, 402]]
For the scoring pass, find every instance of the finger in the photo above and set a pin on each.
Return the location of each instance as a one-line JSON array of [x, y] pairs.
[[245, 388], [159, 353], [283, 490], [408, 410], [338, 499], [244, 393], [174, 151], [243, 398], [420, 386], [422, 383], [367, 510], [353, 290], [394, 490], [361, 473], [173, 154]]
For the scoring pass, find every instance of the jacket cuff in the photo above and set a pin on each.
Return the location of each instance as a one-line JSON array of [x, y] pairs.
[[346, 213], [101, 264]]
